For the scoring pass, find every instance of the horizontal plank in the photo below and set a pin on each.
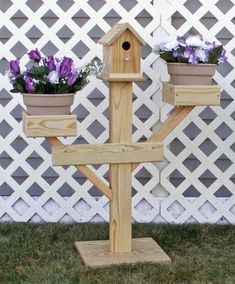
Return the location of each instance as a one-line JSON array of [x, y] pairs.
[[107, 153], [49, 125], [122, 77], [191, 95]]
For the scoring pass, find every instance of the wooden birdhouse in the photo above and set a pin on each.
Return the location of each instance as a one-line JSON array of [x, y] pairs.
[[122, 54]]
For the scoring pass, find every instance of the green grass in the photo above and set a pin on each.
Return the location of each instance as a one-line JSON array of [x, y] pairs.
[[46, 254]]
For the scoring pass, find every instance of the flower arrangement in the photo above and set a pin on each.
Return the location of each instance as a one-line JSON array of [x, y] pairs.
[[50, 75], [192, 49]]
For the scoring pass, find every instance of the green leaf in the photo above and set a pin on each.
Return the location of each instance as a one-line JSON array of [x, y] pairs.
[[215, 54], [38, 72], [167, 56]]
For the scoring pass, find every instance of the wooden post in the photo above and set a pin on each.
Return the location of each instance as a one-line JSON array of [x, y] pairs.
[[120, 128]]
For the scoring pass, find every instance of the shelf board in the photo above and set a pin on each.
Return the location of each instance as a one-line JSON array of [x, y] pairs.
[[49, 125], [191, 95]]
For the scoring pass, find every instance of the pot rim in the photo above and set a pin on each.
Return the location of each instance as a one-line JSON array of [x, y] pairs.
[[48, 95]]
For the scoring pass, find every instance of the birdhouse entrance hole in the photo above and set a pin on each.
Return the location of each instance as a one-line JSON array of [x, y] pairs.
[[126, 45]]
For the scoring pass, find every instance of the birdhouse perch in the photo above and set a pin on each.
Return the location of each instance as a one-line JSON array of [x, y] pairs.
[[122, 54]]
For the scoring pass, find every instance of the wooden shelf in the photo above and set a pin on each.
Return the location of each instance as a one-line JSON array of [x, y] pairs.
[[191, 95], [49, 125], [144, 250]]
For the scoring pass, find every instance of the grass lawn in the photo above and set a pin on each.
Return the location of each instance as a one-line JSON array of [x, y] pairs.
[[45, 254]]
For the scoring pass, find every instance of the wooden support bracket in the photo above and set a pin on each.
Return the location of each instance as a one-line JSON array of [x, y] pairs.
[[115, 153], [168, 126]]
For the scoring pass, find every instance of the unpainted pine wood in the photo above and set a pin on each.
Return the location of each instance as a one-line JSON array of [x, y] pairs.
[[144, 250], [107, 62], [191, 95], [121, 77], [49, 125], [126, 77], [126, 61], [116, 31], [168, 126], [120, 129], [114, 153], [88, 173]]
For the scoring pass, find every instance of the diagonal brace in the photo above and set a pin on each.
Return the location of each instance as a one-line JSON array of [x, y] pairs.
[[88, 173], [168, 126]]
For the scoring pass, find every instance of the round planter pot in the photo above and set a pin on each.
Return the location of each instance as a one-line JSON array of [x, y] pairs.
[[191, 74], [48, 104]]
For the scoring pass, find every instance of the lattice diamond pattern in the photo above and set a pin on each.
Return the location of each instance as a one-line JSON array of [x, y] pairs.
[[195, 183]]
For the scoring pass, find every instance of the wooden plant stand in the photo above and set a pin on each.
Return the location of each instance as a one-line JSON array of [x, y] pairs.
[[122, 67]]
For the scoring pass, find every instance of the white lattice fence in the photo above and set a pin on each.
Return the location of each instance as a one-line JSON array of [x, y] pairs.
[[195, 183]]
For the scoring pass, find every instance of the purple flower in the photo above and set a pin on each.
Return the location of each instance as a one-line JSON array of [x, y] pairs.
[[222, 58], [188, 51], [176, 53], [71, 79], [34, 55], [29, 84], [65, 67], [15, 66], [193, 59], [49, 62], [211, 45], [181, 41], [53, 77]]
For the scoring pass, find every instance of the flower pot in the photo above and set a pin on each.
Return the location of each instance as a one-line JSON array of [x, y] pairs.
[[48, 104], [191, 74]]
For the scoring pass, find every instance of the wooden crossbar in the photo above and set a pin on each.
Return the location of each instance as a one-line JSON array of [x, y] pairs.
[[114, 153], [88, 173]]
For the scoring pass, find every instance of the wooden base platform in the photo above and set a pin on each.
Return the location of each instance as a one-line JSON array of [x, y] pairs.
[[144, 250]]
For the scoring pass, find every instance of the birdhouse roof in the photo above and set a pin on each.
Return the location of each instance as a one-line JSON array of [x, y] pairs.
[[116, 31]]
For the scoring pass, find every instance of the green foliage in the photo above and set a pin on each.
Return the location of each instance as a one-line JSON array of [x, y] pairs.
[[18, 86], [38, 72], [167, 56], [215, 54], [49, 75]]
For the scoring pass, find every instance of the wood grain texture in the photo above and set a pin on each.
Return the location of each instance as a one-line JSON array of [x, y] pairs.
[[50, 125], [144, 250], [88, 173], [121, 77], [107, 62], [168, 126], [120, 131], [126, 61], [191, 95], [114, 153]]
